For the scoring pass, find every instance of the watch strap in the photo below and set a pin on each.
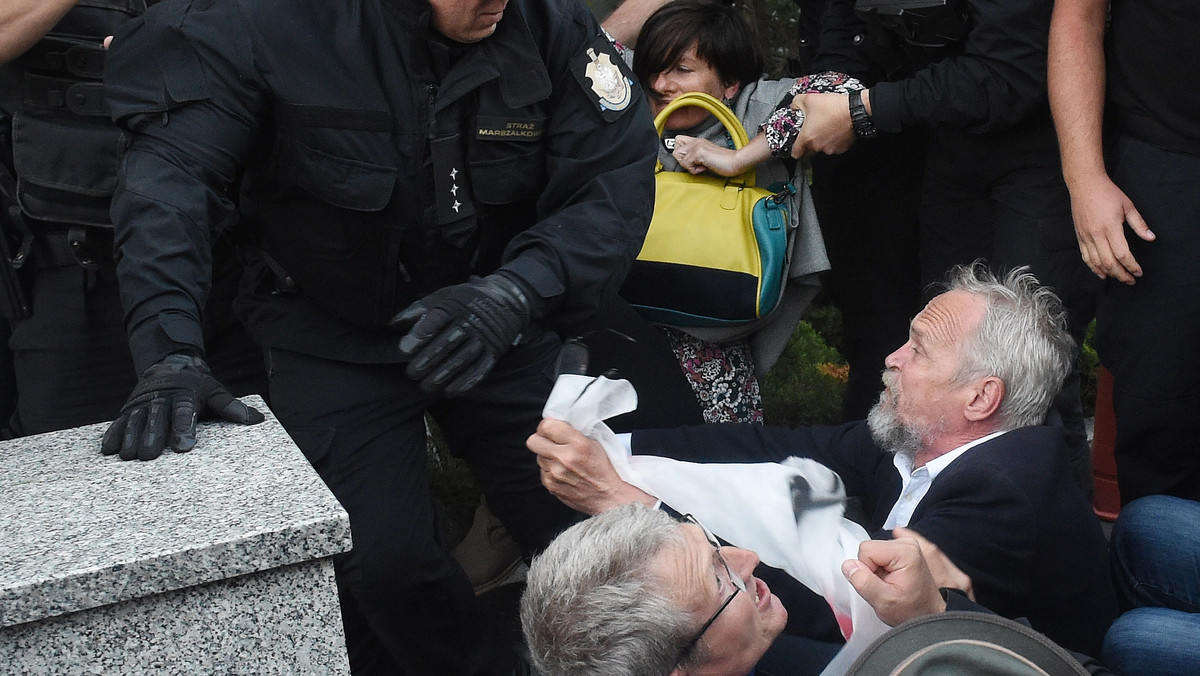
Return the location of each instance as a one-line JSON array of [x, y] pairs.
[[860, 120]]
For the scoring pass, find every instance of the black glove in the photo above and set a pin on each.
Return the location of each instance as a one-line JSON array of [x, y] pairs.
[[163, 408], [456, 334]]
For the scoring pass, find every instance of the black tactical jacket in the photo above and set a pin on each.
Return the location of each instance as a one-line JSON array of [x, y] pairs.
[[377, 160]]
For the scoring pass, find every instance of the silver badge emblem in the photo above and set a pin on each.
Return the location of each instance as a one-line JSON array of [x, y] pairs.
[[611, 87]]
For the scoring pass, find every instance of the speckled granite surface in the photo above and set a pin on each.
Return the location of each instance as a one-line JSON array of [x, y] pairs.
[[276, 622], [79, 530]]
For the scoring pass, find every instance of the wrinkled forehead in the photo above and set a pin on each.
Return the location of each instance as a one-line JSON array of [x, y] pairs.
[[686, 569], [949, 318]]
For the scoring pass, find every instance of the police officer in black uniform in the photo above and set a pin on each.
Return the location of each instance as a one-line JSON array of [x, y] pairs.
[[436, 186], [59, 152]]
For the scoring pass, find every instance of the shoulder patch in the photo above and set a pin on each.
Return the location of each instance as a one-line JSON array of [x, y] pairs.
[[606, 80]]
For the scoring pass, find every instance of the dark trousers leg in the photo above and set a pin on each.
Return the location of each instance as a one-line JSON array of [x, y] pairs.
[[986, 199], [408, 608], [488, 426], [867, 203], [1148, 333], [71, 357], [8, 379]]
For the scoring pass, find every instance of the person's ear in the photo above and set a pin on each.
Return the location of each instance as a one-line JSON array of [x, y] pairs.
[[731, 90], [678, 671], [986, 397]]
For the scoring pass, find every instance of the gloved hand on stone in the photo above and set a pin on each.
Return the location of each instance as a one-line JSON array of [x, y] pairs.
[[166, 402], [454, 336]]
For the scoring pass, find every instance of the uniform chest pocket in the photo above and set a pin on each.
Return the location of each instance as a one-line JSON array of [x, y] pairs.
[[350, 166], [508, 160]]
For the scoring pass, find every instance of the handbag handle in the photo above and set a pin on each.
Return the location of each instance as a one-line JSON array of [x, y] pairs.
[[719, 110]]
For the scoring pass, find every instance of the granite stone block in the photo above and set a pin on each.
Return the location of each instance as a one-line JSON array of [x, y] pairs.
[[85, 538], [280, 621]]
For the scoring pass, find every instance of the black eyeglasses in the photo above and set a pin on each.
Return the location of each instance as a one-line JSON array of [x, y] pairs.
[[739, 585]]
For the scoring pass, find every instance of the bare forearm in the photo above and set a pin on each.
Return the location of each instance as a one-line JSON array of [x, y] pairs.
[[1076, 83], [626, 21], [24, 22], [753, 154]]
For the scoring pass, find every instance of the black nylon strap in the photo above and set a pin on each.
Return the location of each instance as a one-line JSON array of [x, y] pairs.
[[81, 98], [66, 56]]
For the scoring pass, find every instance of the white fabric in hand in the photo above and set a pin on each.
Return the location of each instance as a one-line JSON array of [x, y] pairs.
[[790, 513]]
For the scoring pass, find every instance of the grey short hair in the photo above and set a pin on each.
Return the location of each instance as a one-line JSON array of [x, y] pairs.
[[592, 606], [1023, 340]]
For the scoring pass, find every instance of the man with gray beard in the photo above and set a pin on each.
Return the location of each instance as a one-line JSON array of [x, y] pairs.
[[886, 428], [955, 450]]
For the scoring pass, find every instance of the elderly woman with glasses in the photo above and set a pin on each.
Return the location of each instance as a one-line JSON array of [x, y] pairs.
[[635, 592]]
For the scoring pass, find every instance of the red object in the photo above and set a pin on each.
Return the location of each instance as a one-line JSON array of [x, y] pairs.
[[1107, 498]]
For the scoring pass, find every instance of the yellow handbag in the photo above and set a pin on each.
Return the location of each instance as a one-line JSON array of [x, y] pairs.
[[716, 250]]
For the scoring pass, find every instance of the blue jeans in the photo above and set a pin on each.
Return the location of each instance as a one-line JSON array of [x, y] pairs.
[[1156, 563]]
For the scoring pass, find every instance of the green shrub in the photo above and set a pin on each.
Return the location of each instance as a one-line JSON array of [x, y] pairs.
[[806, 385], [826, 320], [1089, 361]]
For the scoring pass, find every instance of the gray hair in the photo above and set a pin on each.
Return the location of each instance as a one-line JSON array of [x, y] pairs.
[[1023, 340], [592, 606]]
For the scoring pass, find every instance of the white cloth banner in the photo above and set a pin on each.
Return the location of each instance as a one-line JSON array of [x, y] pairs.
[[790, 514]]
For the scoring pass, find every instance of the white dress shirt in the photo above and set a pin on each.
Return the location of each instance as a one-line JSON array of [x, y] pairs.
[[916, 482]]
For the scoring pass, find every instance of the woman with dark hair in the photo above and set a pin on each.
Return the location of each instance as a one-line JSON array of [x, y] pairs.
[[706, 46]]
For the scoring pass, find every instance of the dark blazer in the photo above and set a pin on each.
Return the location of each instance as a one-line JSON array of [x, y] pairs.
[[1006, 512]]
